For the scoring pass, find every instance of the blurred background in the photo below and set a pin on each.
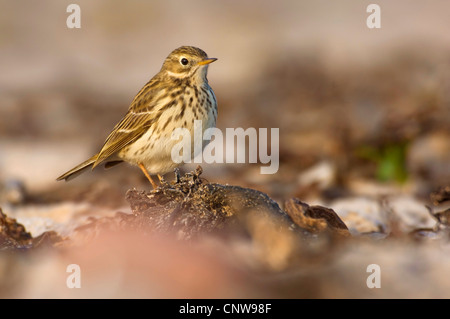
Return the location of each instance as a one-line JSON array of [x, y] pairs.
[[353, 104], [362, 112]]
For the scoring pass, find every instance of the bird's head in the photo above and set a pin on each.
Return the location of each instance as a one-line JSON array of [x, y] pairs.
[[187, 62]]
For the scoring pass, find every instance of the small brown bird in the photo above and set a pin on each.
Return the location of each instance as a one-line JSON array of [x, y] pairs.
[[173, 98]]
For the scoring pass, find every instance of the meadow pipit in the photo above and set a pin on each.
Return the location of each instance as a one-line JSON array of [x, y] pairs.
[[173, 98]]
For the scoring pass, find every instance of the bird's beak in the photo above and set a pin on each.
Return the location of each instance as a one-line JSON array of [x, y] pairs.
[[207, 61]]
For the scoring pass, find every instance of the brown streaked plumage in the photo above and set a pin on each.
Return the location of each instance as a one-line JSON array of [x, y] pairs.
[[175, 97]]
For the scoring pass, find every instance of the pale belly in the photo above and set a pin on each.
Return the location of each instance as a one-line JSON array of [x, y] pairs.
[[154, 149]]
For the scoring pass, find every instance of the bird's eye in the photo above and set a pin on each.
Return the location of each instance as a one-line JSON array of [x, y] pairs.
[[184, 61]]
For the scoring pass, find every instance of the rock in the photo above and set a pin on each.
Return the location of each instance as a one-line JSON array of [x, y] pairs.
[[386, 215], [13, 236], [322, 174], [410, 213], [315, 219], [441, 196], [361, 215], [443, 217], [189, 207]]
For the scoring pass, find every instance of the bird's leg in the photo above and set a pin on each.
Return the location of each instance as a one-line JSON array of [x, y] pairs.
[[144, 170], [162, 180]]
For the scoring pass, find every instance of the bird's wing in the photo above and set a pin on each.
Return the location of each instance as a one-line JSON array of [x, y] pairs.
[[140, 116]]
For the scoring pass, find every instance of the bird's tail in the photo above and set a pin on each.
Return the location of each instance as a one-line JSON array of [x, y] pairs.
[[77, 170]]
